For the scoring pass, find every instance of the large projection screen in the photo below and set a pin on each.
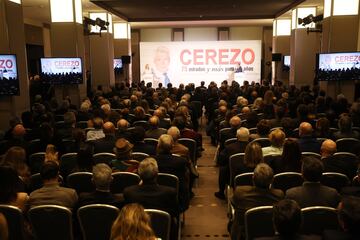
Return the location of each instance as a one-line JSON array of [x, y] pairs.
[[193, 62]]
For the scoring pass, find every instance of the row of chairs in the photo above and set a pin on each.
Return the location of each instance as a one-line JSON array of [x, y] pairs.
[[68, 161], [238, 158], [55, 222], [258, 221], [82, 181], [287, 180]]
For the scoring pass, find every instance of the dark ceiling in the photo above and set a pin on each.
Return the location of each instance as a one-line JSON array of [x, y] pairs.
[[177, 10]]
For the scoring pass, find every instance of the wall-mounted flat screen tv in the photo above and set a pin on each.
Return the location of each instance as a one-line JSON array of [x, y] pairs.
[[61, 71], [287, 60], [9, 78], [338, 66]]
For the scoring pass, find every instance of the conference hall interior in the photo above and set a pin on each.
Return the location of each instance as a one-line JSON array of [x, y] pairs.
[[179, 120]]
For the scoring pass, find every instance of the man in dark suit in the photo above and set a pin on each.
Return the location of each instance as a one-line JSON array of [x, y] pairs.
[[107, 143], [163, 123], [306, 141], [149, 193], [345, 128], [51, 192], [312, 192], [247, 197], [102, 180], [339, 164], [239, 146], [349, 220], [178, 166], [138, 134], [287, 221], [154, 131]]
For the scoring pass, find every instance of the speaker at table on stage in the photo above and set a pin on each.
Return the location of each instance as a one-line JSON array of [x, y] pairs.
[[238, 68], [126, 59]]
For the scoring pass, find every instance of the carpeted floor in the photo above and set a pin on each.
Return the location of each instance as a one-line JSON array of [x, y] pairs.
[[206, 218]]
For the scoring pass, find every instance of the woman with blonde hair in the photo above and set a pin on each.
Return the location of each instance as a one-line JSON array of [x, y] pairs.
[[132, 223]]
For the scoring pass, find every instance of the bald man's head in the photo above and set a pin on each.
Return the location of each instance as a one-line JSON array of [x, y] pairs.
[[245, 110], [154, 121], [122, 124], [305, 129], [328, 148], [235, 122], [174, 132], [242, 134], [222, 109], [18, 131], [158, 113], [108, 128]]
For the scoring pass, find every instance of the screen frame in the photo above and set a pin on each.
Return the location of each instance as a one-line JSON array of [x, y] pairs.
[[82, 68], [17, 72]]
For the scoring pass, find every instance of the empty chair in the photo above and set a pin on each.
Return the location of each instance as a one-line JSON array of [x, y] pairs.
[[244, 179], [139, 156], [15, 221], [51, 222], [335, 180], [311, 154], [36, 146], [235, 161], [230, 141], [35, 161], [121, 180], [223, 132], [316, 219], [264, 142], [96, 221], [258, 222], [287, 180], [160, 223], [36, 181], [103, 158], [348, 145], [191, 145], [295, 133], [68, 162], [81, 182]]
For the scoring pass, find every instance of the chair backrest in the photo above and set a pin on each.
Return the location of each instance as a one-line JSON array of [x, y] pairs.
[[264, 142], [316, 219], [221, 133], [139, 156], [96, 221], [35, 161], [244, 179], [152, 141], [311, 154], [252, 130], [348, 145], [68, 145], [191, 145], [160, 223], [82, 124], [143, 124], [258, 222], [51, 222], [168, 180], [287, 180], [81, 182], [121, 180], [59, 124], [103, 158], [335, 180], [68, 162], [234, 162], [270, 159], [230, 141], [15, 221]]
